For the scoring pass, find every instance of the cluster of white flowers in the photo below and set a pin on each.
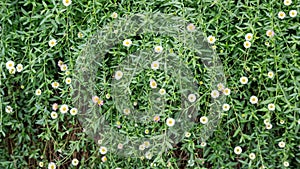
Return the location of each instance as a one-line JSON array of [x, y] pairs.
[[10, 66]]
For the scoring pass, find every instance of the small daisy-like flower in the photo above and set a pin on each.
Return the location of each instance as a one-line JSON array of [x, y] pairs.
[[142, 147], [114, 15], [271, 107], [41, 164], [19, 68], [270, 33], [269, 126], [248, 36], [226, 107], [252, 156], [67, 2], [80, 35], [190, 27], [162, 91], [135, 103], [68, 80], [38, 92], [247, 44], [253, 99], [281, 15], [146, 131], [281, 144], [12, 70], [118, 75], [54, 106], [53, 115], [153, 84], [103, 150], [226, 91], [293, 13], [75, 162], [60, 63], [192, 98], [170, 122], [287, 2], [52, 42], [244, 80], [51, 165], [267, 121], [203, 119], [73, 111], [55, 85], [215, 94], [95, 99], [104, 159], [10, 64], [238, 150], [286, 164], [155, 65], [126, 111], [211, 39], [203, 144], [64, 108], [146, 144], [148, 155], [158, 49], [127, 42], [267, 44], [156, 118], [107, 96], [187, 134], [8, 109], [281, 121], [270, 74], [64, 67], [120, 146]]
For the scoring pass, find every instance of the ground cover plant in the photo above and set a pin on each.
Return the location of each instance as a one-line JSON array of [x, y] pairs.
[[149, 84]]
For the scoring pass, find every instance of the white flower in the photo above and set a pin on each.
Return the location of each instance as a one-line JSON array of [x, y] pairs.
[[190, 27], [270, 74], [271, 107], [51, 165], [286, 164], [244, 80], [249, 36], [158, 49], [146, 144], [114, 15], [12, 70], [192, 98], [142, 147], [187, 134], [80, 35], [103, 150], [38, 92], [281, 15], [67, 2], [267, 121], [203, 144], [126, 111], [238, 150], [8, 109], [10, 64], [253, 99], [226, 91], [104, 159], [281, 144], [64, 67], [247, 44], [203, 119], [127, 42], [287, 2], [68, 80], [75, 162], [64, 108], [293, 13], [73, 111], [155, 65], [220, 87], [118, 75], [269, 126], [226, 107], [148, 155], [162, 91], [52, 42], [19, 68], [153, 84], [215, 94], [41, 164], [211, 39], [252, 156], [55, 85], [270, 33], [170, 122], [53, 115]]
